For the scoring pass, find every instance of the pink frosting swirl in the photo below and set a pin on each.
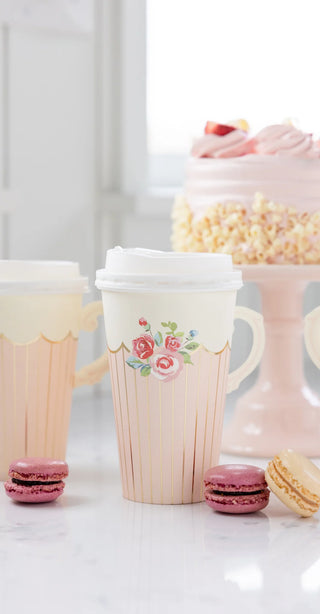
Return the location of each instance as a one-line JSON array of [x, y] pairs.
[[231, 145], [286, 140]]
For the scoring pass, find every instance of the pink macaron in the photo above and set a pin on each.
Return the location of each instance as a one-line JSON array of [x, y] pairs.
[[36, 480], [236, 489]]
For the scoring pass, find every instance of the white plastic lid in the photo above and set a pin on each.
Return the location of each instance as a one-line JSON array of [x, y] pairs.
[[41, 277], [144, 270]]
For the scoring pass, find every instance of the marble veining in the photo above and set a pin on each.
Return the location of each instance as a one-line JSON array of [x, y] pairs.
[[93, 552]]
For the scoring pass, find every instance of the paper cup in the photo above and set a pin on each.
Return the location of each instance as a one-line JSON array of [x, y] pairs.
[[41, 315], [169, 322]]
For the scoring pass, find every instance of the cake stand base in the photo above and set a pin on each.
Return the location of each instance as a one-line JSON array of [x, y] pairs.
[[280, 411]]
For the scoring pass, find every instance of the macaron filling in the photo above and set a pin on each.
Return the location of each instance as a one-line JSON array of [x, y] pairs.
[[34, 482], [235, 493], [36, 476]]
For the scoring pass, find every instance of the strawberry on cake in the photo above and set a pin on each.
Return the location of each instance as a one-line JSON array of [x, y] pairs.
[[256, 197]]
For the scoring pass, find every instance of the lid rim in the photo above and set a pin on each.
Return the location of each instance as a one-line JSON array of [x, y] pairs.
[[178, 286], [52, 286]]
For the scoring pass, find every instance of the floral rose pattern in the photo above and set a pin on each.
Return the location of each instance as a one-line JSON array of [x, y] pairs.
[[164, 353], [172, 343], [143, 346], [166, 365]]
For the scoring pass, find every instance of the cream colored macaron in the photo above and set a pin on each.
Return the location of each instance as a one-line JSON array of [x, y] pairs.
[[296, 481]]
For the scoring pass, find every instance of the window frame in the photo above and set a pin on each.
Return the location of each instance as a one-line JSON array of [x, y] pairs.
[[121, 126]]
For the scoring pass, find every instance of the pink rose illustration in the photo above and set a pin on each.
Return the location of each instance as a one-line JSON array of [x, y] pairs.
[[162, 353], [142, 347], [166, 365], [172, 343]]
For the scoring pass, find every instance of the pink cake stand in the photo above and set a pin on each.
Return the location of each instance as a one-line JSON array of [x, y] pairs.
[[280, 411]]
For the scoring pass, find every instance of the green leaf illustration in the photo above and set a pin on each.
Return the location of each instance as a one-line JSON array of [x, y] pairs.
[[164, 324], [146, 370], [186, 358], [192, 346], [179, 334], [158, 338], [147, 327], [134, 362], [173, 325]]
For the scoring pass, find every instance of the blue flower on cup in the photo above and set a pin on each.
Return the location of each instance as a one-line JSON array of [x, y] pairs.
[[193, 333]]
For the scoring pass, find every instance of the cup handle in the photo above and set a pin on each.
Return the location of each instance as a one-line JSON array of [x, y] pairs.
[[92, 373], [312, 340], [255, 320]]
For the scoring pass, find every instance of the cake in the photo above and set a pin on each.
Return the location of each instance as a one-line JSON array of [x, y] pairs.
[[256, 197]]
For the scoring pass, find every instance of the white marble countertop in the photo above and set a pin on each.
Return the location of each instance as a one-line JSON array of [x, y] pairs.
[[93, 552]]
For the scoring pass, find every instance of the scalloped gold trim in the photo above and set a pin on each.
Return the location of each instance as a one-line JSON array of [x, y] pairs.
[[201, 347], [121, 346], [41, 336]]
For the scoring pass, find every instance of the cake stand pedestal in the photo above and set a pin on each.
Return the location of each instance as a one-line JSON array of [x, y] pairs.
[[280, 411]]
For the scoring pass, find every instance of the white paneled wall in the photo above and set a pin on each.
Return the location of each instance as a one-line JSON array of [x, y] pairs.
[[51, 145], [47, 132]]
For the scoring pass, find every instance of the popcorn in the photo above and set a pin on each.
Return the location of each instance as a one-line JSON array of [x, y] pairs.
[[267, 232]]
